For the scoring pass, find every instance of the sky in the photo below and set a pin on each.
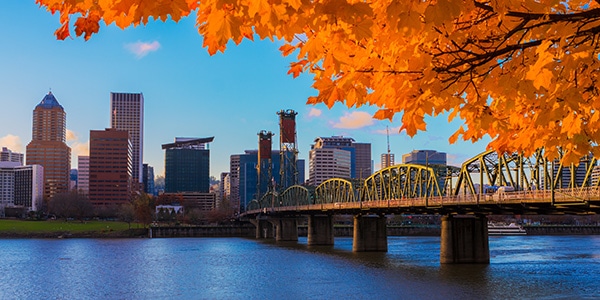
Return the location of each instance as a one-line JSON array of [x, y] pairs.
[[188, 93]]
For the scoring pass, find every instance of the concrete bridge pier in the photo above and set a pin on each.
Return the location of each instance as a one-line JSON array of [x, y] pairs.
[[370, 233], [464, 239], [320, 230], [264, 228], [286, 229]]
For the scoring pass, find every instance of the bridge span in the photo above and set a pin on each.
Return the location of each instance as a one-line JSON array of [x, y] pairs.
[[486, 184]]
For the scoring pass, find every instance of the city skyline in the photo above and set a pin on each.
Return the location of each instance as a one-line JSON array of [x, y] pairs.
[[231, 96]]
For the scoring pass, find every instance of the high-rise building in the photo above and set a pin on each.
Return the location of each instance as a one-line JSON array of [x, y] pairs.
[[430, 158], [572, 175], [362, 162], [21, 186], [387, 160], [325, 163], [83, 174], [110, 167], [148, 178], [48, 148], [187, 165], [595, 175], [127, 113], [424, 157], [225, 189], [73, 180], [243, 176], [7, 155]]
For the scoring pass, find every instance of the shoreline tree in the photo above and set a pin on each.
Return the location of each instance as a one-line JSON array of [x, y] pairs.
[[71, 204], [524, 73]]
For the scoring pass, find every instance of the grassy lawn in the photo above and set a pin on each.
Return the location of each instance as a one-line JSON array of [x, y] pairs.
[[21, 226]]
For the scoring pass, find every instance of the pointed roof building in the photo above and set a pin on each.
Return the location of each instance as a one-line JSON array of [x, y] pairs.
[[48, 146], [49, 102]]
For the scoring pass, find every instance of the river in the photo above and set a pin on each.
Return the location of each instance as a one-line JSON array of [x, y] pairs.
[[521, 267]]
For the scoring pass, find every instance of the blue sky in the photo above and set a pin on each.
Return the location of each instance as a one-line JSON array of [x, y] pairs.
[[188, 93]]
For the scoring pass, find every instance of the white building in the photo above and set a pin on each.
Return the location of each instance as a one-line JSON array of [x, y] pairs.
[[21, 186], [7, 155], [83, 174], [326, 163]]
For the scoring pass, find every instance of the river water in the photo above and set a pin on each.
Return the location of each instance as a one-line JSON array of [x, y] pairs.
[[521, 267]]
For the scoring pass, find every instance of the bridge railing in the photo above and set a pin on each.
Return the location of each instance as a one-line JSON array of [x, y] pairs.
[[305, 201]]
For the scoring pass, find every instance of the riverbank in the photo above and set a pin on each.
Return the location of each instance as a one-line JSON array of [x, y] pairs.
[[106, 229], [69, 229]]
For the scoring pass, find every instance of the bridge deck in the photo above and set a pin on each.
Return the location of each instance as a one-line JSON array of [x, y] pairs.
[[566, 201]]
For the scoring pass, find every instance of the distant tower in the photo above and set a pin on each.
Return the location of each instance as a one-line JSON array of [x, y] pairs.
[[127, 113], [288, 149], [48, 148], [264, 167], [387, 159]]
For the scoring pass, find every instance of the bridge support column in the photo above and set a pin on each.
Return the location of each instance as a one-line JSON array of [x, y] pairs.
[[286, 229], [464, 240], [320, 230], [264, 228], [370, 234]]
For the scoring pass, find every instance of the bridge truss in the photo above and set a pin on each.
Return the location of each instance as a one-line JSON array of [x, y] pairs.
[[512, 182], [404, 181], [522, 173]]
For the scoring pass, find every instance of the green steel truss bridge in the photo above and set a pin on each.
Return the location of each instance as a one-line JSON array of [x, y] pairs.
[[485, 184]]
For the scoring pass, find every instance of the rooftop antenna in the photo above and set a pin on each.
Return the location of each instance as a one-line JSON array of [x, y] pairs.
[[387, 130]]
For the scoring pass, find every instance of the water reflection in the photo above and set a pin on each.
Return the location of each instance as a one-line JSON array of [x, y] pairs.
[[235, 268]]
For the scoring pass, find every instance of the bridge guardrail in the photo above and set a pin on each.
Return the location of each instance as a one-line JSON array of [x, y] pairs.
[[568, 196]]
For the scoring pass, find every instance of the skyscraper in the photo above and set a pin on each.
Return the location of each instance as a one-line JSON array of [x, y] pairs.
[[429, 158], [187, 165], [48, 148], [83, 174], [387, 160], [424, 157], [243, 176], [362, 163], [148, 179], [110, 167], [326, 163], [127, 113]]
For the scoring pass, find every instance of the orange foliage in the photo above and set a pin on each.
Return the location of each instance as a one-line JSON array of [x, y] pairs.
[[522, 72]]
